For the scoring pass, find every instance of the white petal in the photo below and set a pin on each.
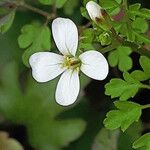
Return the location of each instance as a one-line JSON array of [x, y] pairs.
[[46, 66], [65, 34], [94, 10], [94, 65], [68, 88]]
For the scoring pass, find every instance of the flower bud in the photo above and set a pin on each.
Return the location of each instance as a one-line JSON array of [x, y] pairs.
[[105, 39], [94, 11], [98, 15]]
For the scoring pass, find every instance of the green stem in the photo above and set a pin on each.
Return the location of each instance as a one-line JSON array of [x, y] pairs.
[[120, 41], [109, 48], [137, 48], [145, 106], [146, 86], [125, 3]]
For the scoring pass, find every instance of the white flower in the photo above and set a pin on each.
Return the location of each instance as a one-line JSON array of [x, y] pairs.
[[47, 65], [94, 10]]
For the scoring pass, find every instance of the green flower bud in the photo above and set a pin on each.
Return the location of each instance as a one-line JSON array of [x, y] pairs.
[[104, 39]]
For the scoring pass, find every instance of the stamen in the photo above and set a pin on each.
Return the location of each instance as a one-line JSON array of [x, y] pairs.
[[71, 62]]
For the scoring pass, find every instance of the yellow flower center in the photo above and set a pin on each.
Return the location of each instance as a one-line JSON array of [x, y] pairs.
[[72, 63]]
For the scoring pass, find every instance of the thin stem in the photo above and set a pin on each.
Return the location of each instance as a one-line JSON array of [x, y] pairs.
[[137, 48], [109, 48], [125, 3], [145, 106], [34, 9], [39, 11], [146, 86]]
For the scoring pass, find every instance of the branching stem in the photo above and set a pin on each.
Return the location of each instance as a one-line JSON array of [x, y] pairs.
[[34, 9]]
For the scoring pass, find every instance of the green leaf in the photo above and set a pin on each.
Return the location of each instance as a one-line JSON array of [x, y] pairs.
[[35, 38], [145, 74], [107, 4], [86, 39], [112, 7], [139, 75], [86, 1], [140, 24], [120, 57], [60, 3], [85, 46], [46, 2], [134, 11], [84, 13], [134, 8], [44, 130], [123, 89], [70, 6], [87, 35], [126, 30], [6, 22], [145, 64], [141, 37], [126, 114], [143, 142]]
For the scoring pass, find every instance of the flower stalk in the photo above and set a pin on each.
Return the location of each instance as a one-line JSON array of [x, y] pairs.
[[145, 106]]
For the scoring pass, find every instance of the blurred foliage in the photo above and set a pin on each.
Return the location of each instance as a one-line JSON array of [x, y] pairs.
[[37, 114]]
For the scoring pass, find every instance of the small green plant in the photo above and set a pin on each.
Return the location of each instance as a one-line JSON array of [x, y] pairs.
[[114, 31]]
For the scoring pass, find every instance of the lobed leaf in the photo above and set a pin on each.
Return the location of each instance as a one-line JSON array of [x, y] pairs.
[[140, 25], [124, 116], [124, 89], [35, 38], [136, 10], [120, 57], [145, 74]]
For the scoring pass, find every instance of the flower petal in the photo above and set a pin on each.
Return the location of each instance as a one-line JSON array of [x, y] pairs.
[[94, 65], [65, 34], [46, 66], [94, 10], [68, 88]]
